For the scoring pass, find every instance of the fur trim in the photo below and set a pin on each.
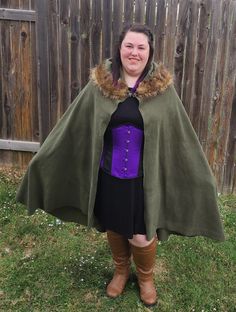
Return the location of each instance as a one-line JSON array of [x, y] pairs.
[[155, 83]]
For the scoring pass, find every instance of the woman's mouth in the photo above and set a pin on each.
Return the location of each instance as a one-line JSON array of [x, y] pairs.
[[133, 59]]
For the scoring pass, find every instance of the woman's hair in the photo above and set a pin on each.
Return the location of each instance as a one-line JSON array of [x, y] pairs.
[[116, 60]]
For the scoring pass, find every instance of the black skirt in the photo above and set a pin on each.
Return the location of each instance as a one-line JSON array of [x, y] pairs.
[[119, 204]]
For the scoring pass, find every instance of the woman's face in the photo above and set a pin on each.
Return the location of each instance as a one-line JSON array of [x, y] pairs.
[[134, 53]]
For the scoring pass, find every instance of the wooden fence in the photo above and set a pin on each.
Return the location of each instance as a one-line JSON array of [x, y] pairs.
[[47, 48]]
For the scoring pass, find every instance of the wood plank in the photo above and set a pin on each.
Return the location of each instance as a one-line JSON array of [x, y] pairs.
[[128, 12], [25, 81], [32, 4], [117, 22], [229, 180], [160, 31], [18, 15], [75, 49], [6, 86], [218, 134], [6, 157], [1, 83], [201, 50], [180, 46], [209, 74], [170, 34], [12, 4], [139, 11], [43, 68], [54, 62], [5, 55], [191, 40], [96, 32], [16, 85], [106, 29], [18, 145], [84, 40], [34, 88], [150, 14], [64, 56]]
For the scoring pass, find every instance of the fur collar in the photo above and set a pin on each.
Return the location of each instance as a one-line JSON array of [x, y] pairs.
[[157, 81]]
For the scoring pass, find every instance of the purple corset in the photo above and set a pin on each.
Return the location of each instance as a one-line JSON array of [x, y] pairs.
[[122, 153]]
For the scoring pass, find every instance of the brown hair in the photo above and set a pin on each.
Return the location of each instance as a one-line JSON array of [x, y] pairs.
[[116, 61]]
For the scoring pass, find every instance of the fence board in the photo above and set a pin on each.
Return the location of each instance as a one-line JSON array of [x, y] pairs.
[[128, 12], [220, 112], [190, 54], [34, 89], [201, 50], [43, 69], [160, 31], [229, 181], [17, 15], [117, 22], [6, 100], [150, 13], [180, 45], [54, 62], [106, 28], [75, 49], [170, 34], [96, 33], [64, 54], [227, 97], [84, 41], [17, 88], [209, 74], [139, 11], [16, 145]]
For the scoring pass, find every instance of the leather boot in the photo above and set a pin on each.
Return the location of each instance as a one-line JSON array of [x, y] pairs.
[[144, 259], [120, 249]]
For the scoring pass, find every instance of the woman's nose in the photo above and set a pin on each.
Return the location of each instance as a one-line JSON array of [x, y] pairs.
[[134, 51]]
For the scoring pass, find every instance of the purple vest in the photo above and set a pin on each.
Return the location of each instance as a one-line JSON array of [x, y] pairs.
[[122, 152]]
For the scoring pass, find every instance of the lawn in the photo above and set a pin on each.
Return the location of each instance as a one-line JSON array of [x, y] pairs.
[[47, 265]]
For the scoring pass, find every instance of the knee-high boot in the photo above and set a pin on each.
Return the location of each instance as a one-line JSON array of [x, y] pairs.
[[120, 249], [144, 259]]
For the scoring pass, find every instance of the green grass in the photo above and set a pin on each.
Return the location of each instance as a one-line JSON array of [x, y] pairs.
[[46, 265]]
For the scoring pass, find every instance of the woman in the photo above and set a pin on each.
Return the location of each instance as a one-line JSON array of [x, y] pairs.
[[125, 159]]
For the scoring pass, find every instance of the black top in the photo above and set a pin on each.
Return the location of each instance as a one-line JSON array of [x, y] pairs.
[[127, 112], [119, 204]]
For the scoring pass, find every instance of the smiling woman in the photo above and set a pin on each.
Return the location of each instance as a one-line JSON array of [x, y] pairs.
[[134, 54], [125, 159]]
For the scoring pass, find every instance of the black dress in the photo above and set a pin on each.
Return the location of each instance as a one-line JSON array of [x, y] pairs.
[[119, 204]]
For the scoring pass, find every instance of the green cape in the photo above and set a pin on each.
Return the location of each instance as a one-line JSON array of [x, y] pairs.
[[179, 188]]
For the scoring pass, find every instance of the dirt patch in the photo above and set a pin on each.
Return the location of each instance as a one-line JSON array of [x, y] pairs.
[[161, 270], [11, 175]]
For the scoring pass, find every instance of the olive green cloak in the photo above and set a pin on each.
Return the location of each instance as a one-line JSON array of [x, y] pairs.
[[179, 189]]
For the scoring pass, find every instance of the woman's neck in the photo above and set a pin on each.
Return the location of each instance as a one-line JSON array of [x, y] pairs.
[[130, 80]]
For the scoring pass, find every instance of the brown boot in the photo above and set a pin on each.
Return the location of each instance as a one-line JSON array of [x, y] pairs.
[[144, 259], [120, 249]]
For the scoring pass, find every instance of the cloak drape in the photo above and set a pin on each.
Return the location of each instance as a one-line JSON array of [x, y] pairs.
[[179, 189]]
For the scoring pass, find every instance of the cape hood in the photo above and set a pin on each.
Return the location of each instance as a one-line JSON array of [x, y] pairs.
[[179, 189], [157, 81]]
